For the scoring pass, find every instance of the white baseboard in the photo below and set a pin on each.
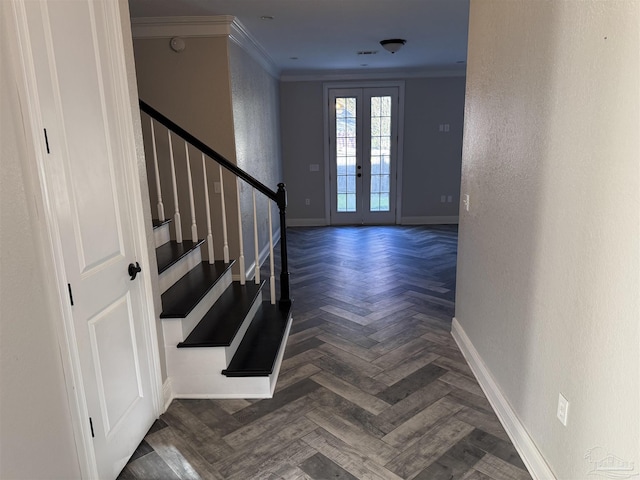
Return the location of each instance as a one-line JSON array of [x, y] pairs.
[[307, 222], [433, 220], [517, 432], [167, 394]]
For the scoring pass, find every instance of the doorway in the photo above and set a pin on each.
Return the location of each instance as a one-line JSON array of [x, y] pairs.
[[364, 134]]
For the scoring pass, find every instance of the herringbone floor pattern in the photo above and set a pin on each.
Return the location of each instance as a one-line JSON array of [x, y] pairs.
[[372, 385]]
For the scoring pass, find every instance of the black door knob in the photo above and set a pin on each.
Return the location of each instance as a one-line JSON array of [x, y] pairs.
[[134, 270], [359, 175]]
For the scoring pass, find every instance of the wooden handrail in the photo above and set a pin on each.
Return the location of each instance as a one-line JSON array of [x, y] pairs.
[[279, 197], [208, 151]]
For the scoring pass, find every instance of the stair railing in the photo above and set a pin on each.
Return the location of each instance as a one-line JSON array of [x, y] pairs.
[[279, 197]]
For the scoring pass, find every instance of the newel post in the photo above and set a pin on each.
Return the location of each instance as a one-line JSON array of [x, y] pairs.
[[285, 299]]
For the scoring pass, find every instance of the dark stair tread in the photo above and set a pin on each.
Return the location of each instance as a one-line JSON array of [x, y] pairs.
[[169, 253], [185, 294], [158, 223], [221, 323], [257, 353]]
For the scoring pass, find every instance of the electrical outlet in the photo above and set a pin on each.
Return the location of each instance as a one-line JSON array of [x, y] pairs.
[[563, 409], [465, 201], [446, 127], [307, 201], [216, 187], [450, 199]]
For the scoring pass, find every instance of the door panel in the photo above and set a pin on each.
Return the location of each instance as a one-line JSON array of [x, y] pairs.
[[363, 135], [80, 99]]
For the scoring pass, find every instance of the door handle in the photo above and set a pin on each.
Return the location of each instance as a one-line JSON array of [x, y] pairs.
[[134, 270]]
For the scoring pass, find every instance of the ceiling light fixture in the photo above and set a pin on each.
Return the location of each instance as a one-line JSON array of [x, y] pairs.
[[393, 44]]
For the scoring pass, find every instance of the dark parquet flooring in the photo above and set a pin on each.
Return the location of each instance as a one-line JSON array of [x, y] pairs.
[[372, 385]]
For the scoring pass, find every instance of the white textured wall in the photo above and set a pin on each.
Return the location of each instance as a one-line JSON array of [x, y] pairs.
[[256, 122], [548, 266], [36, 439]]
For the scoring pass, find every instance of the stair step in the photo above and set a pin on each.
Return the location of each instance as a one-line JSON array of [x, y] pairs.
[[185, 294], [158, 223], [169, 253], [221, 323], [258, 351]]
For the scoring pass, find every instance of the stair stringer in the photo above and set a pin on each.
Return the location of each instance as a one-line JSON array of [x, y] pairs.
[[196, 373]]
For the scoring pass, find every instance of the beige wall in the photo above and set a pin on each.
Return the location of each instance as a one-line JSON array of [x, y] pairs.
[[431, 160], [193, 89], [36, 438], [548, 266]]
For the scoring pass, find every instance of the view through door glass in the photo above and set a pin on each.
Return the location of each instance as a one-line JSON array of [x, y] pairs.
[[363, 135]]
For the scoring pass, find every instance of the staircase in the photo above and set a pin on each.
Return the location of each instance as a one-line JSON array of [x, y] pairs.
[[221, 339]]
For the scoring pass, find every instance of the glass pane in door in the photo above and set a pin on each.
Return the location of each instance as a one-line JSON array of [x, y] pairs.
[[380, 153], [346, 139]]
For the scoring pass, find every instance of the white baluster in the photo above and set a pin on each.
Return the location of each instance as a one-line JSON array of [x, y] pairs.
[[225, 248], [241, 257], [176, 215], [194, 227], [161, 216], [272, 278], [208, 210], [255, 240]]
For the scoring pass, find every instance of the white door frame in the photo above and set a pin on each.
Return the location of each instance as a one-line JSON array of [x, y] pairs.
[[327, 148], [39, 174]]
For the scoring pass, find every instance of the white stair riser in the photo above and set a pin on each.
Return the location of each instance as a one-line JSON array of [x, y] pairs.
[[179, 269], [161, 234], [196, 373], [231, 349], [175, 330]]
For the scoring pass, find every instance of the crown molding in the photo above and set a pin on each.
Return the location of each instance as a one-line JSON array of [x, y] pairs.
[[332, 76], [243, 38], [167, 27]]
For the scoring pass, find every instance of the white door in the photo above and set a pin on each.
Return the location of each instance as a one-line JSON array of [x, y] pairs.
[[364, 144], [75, 51]]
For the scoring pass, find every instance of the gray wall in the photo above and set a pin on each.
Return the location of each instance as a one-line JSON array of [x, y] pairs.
[[256, 121], [36, 438], [548, 263], [431, 161], [432, 158]]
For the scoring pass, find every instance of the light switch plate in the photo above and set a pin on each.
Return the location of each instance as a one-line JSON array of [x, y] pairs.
[[563, 409]]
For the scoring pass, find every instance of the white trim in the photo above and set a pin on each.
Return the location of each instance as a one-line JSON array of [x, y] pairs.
[[130, 130], [323, 76], [531, 456], [326, 87], [430, 220], [167, 27], [241, 37], [167, 394], [211, 26], [307, 222]]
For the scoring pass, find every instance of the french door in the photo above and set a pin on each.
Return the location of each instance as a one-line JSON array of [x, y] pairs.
[[363, 154]]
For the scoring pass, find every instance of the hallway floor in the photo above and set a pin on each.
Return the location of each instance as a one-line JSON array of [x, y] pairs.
[[372, 385]]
